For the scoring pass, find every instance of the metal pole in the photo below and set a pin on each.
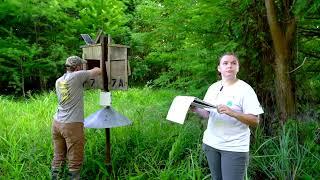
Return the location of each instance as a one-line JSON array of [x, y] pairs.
[[108, 151], [104, 54]]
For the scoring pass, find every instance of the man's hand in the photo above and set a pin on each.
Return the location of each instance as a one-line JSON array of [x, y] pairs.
[[95, 72]]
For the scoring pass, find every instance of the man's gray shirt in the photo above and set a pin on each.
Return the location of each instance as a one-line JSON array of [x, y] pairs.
[[69, 89]]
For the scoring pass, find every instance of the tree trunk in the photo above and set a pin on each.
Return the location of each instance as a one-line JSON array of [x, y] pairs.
[[282, 36]]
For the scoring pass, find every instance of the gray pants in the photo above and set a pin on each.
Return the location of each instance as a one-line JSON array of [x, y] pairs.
[[226, 165]]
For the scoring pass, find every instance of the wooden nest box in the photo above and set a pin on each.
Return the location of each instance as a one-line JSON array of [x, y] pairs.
[[116, 61]]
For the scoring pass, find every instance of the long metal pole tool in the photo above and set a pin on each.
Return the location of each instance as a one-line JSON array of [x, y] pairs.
[[104, 54]]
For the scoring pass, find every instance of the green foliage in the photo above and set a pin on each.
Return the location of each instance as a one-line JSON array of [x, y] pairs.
[[179, 51], [174, 44], [106, 15], [36, 37], [308, 50], [151, 148], [177, 44], [292, 154], [21, 64]]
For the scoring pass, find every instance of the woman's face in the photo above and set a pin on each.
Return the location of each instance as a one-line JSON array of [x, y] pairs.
[[228, 67]]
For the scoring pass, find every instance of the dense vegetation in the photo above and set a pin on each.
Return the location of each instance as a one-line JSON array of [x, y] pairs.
[[151, 148], [174, 44]]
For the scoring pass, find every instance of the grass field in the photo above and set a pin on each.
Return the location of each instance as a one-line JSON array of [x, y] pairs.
[[151, 148]]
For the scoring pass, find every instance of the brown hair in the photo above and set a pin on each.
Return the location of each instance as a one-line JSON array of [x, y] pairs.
[[229, 54]]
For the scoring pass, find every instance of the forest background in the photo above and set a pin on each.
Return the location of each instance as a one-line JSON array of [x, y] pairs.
[[176, 44]]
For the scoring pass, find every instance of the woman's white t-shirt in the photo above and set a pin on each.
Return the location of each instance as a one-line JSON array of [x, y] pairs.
[[223, 131]]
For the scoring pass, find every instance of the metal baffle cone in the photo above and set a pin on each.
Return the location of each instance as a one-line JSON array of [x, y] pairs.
[[106, 118]]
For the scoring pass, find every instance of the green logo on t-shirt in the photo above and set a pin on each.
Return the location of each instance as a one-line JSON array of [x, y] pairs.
[[229, 103]]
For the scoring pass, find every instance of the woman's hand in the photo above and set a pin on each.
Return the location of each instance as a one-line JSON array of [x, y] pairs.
[[192, 108], [248, 119], [223, 109]]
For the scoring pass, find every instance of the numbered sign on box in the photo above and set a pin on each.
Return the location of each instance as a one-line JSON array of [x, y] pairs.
[[116, 62]]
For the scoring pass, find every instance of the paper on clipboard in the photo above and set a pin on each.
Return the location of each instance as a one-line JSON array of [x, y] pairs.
[[180, 106]]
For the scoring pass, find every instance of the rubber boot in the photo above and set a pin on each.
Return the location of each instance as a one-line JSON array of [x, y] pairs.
[[74, 175]]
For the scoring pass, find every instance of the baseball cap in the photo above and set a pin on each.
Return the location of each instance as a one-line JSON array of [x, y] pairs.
[[74, 61]]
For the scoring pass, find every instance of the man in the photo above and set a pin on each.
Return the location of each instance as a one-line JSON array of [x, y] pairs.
[[67, 128]]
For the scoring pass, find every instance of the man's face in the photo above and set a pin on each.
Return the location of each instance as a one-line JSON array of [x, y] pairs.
[[228, 67]]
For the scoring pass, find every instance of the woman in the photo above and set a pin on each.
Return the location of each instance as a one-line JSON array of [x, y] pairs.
[[227, 137]]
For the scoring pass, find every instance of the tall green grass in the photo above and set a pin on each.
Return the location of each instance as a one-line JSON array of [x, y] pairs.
[[25, 137], [151, 148], [291, 154]]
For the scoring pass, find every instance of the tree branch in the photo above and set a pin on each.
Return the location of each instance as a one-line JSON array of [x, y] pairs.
[[309, 32], [298, 66]]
